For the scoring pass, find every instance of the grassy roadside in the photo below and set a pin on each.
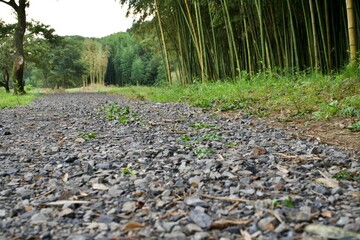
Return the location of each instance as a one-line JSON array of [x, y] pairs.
[[9, 100], [306, 96], [311, 96]]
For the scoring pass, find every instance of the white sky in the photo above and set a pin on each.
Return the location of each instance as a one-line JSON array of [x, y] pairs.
[[88, 18]]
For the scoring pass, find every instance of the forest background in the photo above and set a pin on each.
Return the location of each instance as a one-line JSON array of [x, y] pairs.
[[292, 57]]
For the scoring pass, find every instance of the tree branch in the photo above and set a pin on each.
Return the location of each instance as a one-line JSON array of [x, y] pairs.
[[11, 3]]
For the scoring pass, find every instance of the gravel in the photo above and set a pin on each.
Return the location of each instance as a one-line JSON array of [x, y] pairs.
[[96, 166]]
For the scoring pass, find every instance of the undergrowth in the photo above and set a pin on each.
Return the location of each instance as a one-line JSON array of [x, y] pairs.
[[318, 96], [9, 100]]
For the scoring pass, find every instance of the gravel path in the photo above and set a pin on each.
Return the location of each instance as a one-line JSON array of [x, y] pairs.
[[96, 166]]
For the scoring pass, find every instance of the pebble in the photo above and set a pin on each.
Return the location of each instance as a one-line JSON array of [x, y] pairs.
[[2, 213], [39, 218], [201, 236], [195, 201], [200, 218], [184, 181]]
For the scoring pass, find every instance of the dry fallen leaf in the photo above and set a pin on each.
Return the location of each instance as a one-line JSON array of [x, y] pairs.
[[65, 178], [224, 223], [329, 182], [326, 214], [83, 194], [100, 186], [246, 235], [28, 208], [258, 151], [282, 169], [133, 226], [356, 196]]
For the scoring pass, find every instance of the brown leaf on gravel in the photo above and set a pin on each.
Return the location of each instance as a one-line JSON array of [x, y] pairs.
[[245, 234], [326, 214], [224, 223], [65, 178], [356, 196], [133, 226], [28, 208], [329, 182], [173, 213], [258, 151], [282, 169]]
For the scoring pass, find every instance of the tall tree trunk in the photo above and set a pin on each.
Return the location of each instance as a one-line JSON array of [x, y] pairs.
[[6, 80], [19, 63], [352, 30]]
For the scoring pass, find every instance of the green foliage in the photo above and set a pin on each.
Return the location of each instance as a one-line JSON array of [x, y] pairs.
[[211, 136], [10, 100], [288, 202], [231, 144], [87, 136], [204, 152], [127, 171], [346, 175], [327, 110], [276, 204], [132, 61], [123, 115], [284, 203], [201, 125], [356, 126], [294, 95], [29, 88], [185, 138]]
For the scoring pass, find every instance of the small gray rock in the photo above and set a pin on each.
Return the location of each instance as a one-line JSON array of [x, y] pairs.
[[200, 236], [343, 221], [38, 218], [128, 207], [322, 190], [2, 213], [193, 228], [24, 192], [195, 201], [200, 218], [105, 219], [175, 236], [114, 191]]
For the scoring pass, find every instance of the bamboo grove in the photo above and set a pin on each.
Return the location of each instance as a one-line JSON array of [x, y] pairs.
[[207, 40]]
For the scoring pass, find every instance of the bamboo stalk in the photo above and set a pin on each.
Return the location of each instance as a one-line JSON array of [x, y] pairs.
[[352, 31], [165, 52]]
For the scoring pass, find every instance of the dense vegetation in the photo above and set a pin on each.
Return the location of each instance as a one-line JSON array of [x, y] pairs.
[[74, 61], [211, 40]]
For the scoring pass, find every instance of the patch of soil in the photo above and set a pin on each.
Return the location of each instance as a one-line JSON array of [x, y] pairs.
[[332, 132]]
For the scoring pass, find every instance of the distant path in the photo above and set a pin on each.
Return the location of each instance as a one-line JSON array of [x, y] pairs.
[[170, 172]]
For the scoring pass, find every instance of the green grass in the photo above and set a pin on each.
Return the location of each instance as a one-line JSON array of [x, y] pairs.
[[9, 100], [317, 96]]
